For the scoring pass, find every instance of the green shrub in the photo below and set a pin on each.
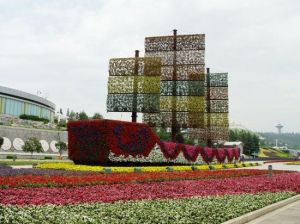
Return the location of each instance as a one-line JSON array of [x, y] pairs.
[[169, 168], [32, 145], [33, 118], [194, 168], [137, 169], [9, 157], [48, 157], [107, 170]]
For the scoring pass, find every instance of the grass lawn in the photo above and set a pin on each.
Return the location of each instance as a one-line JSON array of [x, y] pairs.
[[268, 152], [22, 162]]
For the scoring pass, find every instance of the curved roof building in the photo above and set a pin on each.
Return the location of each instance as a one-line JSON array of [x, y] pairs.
[[15, 102]]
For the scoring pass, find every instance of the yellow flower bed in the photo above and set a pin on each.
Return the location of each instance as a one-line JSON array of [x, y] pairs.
[[71, 166], [293, 163]]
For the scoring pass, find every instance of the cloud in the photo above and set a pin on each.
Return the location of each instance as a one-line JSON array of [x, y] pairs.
[[63, 47]]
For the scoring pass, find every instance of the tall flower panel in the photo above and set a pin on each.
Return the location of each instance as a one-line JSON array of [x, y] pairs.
[[134, 84], [91, 141], [182, 80], [216, 121]]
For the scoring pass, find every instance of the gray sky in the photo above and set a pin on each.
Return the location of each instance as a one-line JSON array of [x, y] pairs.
[[62, 48]]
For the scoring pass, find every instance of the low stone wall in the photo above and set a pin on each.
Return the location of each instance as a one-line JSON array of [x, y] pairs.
[[15, 137]]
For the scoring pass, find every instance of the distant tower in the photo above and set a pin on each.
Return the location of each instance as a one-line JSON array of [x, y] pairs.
[[279, 127]]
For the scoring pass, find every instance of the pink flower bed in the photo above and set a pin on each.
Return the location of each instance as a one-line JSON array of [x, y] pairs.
[[182, 189]]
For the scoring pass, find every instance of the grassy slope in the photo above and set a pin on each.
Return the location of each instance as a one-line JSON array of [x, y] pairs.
[[268, 152]]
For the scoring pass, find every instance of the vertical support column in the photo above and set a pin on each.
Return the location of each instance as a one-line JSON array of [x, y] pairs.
[[208, 108], [174, 128], [1, 107], [135, 87]]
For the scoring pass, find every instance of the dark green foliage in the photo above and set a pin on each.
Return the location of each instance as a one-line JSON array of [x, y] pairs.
[[250, 140], [162, 134], [33, 118], [82, 116], [291, 139], [61, 146], [97, 116], [72, 116], [48, 157], [1, 141]]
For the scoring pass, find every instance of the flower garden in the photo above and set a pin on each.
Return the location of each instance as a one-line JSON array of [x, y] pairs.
[[210, 186], [82, 195]]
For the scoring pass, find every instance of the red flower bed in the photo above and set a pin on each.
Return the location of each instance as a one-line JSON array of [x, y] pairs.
[[237, 153], [93, 179], [170, 150], [90, 141], [220, 155], [191, 152], [207, 154], [230, 152], [180, 189]]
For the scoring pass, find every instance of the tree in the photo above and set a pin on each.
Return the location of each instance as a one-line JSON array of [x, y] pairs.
[[250, 140], [97, 116], [68, 112], [72, 116], [32, 145], [162, 134], [1, 141], [61, 146], [82, 116], [60, 111]]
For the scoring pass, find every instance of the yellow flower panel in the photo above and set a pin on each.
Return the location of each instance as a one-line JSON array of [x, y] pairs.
[[182, 103]]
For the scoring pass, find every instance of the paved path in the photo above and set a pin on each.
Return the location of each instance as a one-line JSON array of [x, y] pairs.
[[276, 166], [23, 166], [289, 214]]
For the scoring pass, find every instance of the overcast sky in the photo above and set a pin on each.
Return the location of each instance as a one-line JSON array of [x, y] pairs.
[[62, 48]]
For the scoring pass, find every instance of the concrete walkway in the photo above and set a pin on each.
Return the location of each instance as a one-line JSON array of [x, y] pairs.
[[276, 166], [289, 214], [22, 166]]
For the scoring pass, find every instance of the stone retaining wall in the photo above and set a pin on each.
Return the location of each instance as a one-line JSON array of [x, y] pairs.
[[15, 137]]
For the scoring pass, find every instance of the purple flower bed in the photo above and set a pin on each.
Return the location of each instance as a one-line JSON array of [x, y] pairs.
[[31, 171], [4, 166]]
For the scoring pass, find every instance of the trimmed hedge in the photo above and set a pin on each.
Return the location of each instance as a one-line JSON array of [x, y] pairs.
[[33, 118]]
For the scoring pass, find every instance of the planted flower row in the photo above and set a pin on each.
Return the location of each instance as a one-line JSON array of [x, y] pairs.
[[70, 166], [213, 209], [93, 179], [155, 190], [31, 171]]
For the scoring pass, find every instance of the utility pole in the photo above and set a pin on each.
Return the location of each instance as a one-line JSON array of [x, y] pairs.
[[174, 128], [208, 109], [135, 87]]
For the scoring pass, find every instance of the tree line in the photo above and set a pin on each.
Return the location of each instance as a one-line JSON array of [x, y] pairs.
[[250, 140]]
